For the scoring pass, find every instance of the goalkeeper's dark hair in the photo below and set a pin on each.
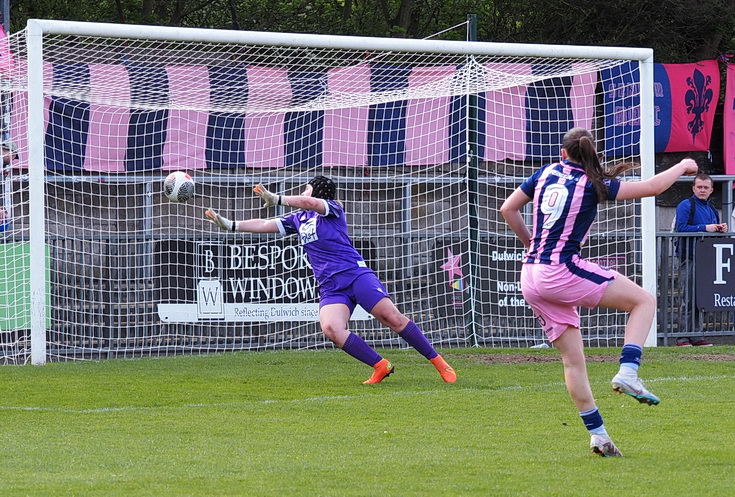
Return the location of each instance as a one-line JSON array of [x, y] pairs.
[[323, 187], [580, 147]]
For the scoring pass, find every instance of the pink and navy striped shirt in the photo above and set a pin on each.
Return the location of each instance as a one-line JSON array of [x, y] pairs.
[[564, 208]]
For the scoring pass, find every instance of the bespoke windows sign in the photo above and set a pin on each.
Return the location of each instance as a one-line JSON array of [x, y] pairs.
[[250, 282]]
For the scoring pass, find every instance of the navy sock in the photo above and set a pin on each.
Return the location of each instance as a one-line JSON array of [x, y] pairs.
[[631, 355], [592, 419], [416, 339], [357, 348]]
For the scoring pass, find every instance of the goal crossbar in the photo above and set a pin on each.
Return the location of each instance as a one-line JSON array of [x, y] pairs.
[[38, 27]]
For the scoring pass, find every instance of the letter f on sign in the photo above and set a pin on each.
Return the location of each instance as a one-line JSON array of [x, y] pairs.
[[720, 263]]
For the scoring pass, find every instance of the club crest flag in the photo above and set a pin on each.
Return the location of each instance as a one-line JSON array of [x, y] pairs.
[[728, 117], [685, 99]]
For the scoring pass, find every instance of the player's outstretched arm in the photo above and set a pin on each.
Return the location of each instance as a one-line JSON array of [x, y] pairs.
[[248, 226], [657, 184], [511, 211], [305, 201]]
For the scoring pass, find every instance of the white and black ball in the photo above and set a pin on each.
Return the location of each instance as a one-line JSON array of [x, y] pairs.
[[178, 186]]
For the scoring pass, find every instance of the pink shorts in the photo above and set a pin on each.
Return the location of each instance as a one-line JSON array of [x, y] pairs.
[[555, 291]]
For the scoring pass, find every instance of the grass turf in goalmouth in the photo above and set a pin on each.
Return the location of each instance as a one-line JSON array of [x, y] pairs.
[[301, 423]]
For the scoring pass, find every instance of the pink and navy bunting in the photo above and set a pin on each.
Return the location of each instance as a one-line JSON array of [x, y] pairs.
[[304, 130], [68, 123], [244, 117], [147, 128], [387, 121]]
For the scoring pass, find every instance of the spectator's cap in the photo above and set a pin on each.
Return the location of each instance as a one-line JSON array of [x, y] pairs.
[[11, 146]]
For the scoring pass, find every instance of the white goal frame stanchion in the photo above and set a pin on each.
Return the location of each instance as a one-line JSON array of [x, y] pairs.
[[37, 214], [648, 205]]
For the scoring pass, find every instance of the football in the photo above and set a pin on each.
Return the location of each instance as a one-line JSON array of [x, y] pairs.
[[178, 186]]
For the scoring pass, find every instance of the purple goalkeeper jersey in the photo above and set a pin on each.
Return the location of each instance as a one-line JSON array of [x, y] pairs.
[[325, 239], [564, 208]]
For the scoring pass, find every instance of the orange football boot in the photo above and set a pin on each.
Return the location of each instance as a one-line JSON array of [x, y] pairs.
[[445, 370], [381, 370]]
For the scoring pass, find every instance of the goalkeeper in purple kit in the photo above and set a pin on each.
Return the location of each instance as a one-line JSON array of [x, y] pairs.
[[343, 276]]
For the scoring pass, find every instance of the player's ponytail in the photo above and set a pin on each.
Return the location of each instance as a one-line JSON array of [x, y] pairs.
[[581, 149]]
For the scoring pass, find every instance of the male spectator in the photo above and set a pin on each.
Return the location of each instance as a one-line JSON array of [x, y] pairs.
[[695, 214]]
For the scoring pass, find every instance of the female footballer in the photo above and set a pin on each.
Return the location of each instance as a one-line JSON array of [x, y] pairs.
[[555, 280], [343, 276]]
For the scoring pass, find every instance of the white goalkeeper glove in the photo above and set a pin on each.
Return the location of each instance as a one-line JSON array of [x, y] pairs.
[[269, 198], [220, 221]]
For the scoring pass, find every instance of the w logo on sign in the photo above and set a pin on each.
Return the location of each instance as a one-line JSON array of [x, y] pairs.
[[698, 99], [210, 303]]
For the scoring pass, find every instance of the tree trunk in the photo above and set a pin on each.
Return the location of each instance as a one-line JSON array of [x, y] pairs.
[[405, 15]]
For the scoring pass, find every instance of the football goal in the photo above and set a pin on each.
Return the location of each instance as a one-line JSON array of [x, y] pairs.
[[424, 140]]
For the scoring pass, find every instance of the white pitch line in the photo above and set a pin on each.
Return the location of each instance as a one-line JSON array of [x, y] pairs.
[[328, 398]]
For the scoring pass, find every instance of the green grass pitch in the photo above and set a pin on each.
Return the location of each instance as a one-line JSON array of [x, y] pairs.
[[300, 423]]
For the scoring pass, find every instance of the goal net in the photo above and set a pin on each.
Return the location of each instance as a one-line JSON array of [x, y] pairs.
[[424, 140]]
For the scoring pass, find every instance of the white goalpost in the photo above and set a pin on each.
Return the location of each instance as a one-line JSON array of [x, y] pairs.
[[424, 140]]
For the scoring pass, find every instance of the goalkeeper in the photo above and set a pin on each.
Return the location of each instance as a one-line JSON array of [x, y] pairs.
[[344, 278]]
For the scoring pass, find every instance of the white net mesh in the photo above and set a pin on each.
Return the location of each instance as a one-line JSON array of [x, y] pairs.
[[423, 147]]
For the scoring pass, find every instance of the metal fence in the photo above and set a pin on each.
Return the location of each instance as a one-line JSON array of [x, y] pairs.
[[121, 316], [110, 311], [678, 315]]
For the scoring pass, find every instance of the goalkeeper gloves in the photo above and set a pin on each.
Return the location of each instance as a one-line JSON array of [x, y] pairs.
[[269, 198], [220, 221]]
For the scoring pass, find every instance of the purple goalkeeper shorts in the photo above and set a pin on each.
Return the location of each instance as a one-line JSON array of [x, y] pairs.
[[352, 287]]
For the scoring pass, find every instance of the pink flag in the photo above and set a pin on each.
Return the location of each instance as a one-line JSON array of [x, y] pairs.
[[427, 119], [268, 88], [7, 63], [346, 127], [582, 95], [505, 126], [107, 135], [728, 117], [186, 137]]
